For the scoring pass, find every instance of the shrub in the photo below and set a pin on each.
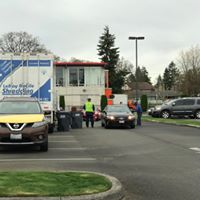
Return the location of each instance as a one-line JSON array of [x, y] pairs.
[[104, 102], [62, 102], [144, 102]]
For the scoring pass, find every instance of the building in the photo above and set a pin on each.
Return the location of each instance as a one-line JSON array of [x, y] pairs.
[[143, 88], [77, 81]]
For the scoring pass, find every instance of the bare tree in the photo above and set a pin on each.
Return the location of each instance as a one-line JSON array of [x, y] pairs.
[[189, 63], [21, 42]]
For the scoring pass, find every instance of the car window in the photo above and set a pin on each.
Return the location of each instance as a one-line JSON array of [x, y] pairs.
[[118, 109], [198, 101], [179, 102], [184, 102], [19, 107], [188, 102]]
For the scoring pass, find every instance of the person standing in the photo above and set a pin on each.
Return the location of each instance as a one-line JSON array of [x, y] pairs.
[[131, 105], [138, 109], [89, 111]]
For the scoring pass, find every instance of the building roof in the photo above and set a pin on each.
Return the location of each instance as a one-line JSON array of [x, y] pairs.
[[141, 86], [81, 64]]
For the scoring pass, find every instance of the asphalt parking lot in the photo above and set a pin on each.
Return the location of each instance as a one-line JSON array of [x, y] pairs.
[[155, 161]]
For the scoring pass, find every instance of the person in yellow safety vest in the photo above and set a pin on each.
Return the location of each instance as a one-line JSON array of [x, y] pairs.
[[89, 110]]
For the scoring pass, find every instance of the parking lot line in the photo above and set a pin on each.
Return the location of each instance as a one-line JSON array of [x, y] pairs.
[[62, 136], [196, 149], [73, 148], [63, 141], [47, 159]]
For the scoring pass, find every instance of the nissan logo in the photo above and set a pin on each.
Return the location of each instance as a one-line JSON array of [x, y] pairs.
[[16, 126]]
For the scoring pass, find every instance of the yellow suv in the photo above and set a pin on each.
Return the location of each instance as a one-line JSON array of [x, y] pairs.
[[22, 122]]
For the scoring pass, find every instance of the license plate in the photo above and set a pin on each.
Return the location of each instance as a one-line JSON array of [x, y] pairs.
[[16, 136], [121, 121]]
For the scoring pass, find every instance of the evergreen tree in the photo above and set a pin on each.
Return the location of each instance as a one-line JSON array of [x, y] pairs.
[[159, 82], [104, 102], [62, 102], [109, 54], [166, 78], [173, 73], [123, 68], [144, 102], [170, 75], [142, 76]]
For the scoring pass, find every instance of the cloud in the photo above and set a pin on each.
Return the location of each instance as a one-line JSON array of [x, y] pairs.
[[71, 28]]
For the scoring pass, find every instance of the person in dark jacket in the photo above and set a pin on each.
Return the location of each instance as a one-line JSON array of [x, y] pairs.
[[89, 111], [138, 109]]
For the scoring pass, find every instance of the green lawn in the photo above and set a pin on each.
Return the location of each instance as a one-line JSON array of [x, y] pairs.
[[193, 122], [21, 184]]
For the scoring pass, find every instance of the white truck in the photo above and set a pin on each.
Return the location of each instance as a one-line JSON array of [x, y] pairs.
[[120, 99], [29, 75]]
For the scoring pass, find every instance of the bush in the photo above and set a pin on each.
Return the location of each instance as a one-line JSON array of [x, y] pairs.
[[144, 102], [104, 102], [62, 102]]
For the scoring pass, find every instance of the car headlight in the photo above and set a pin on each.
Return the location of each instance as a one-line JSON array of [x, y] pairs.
[[157, 108], [110, 117], [130, 117], [38, 124]]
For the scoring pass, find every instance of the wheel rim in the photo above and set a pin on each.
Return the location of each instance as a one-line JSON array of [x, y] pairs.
[[165, 115], [198, 115]]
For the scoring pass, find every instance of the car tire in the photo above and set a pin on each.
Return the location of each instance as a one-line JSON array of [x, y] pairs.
[[197, 114], [165, 114], [44, 147], [132, 126], [106, 125], [50, 129]]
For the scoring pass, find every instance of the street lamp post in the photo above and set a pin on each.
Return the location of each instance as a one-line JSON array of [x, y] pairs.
[[136, 63]]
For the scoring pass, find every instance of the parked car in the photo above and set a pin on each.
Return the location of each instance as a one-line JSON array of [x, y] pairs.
[[22, 122], [117, 115], [150, 111], [189, 106], [96, 116]]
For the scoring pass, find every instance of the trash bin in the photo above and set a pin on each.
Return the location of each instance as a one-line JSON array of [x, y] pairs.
[[64, 120], [77, 119]]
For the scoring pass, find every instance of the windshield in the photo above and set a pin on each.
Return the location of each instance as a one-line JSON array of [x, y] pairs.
[[11, 107], [118, 109]]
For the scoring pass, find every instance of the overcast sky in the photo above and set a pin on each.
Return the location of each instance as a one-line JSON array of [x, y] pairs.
[[71, 28]]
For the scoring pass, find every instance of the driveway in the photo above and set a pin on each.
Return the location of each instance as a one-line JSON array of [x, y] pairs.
[[155, 161]]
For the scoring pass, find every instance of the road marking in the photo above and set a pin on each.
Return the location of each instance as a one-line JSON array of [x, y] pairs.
[[63, 141], [197, 149], [48, 159], [68, 148], [62, 136]]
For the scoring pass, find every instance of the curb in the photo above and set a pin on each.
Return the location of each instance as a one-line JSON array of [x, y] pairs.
[[115, 193], [176, 124]]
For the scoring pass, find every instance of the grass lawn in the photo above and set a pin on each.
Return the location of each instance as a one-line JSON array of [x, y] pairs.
[[32, 184], [194, 122]]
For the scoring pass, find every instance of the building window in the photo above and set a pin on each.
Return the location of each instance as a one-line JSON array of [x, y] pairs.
[[76, 76], [81, 77], [60, 76]]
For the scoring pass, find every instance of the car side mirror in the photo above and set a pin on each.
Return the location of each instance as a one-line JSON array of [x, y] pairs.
[[173, 104]]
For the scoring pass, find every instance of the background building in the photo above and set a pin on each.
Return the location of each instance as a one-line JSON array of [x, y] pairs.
[[77, 81]]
